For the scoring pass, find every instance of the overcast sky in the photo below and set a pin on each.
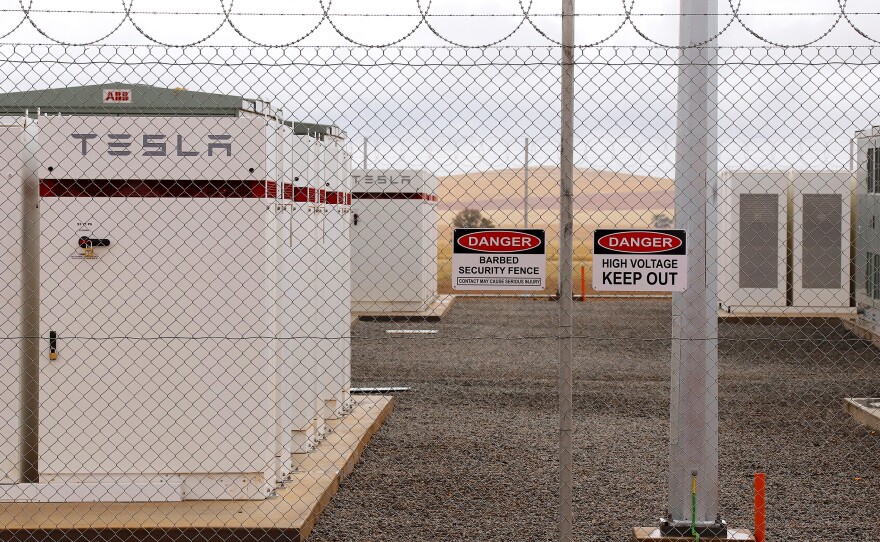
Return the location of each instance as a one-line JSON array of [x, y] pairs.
[[461, 110], [465, 22]]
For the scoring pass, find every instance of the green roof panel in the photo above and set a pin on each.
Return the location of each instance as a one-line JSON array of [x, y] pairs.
[[144, 100]]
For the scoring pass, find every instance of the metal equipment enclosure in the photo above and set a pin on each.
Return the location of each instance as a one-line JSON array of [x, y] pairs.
[[752, 239], [394, 241], [137, 277], [819, 212], [181, 236], [336, 276], [306, 228], [11, 185], [867, 231]]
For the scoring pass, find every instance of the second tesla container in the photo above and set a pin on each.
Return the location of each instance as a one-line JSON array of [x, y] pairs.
[[394, 241]]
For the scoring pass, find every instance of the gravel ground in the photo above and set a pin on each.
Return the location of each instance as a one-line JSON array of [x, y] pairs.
[[470, 452]]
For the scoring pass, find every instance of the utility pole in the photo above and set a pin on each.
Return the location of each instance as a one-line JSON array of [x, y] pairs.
[[693, 447], [566, 303], [30, 311], [526, 189], [365, 153]]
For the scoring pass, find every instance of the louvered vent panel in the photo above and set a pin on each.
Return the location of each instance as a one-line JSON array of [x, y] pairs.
[[758, 240], [821, 240]]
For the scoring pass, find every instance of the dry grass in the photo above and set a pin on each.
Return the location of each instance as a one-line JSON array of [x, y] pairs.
[[582, 257], [603, 199]]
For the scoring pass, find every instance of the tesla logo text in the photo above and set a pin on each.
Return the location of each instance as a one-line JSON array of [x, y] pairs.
[[382, 179], [123, 144]]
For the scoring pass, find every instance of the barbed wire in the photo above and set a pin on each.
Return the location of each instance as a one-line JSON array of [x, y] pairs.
[[826, 339], [438, 15], [423, 14]]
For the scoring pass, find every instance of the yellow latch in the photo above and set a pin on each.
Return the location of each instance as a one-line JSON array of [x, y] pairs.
[[53, 346]]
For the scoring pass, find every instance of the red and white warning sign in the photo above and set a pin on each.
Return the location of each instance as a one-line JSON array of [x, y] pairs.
[[116, 95], [495, 259], [639, 260]]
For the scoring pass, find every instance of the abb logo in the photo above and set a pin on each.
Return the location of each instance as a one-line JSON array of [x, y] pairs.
[[117, 95]]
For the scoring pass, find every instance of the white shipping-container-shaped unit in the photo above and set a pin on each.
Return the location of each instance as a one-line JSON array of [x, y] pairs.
[[334, 343], [341, 286], [820, 216], [752, 239], [867, 229], [394, 241], [12, 175], [278, 147], [302, 292], [159, 277]]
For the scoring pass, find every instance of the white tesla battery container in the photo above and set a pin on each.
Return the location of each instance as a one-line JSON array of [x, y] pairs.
[[159, 260]]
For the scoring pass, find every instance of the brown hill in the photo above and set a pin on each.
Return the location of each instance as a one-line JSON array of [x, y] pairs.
[[594, 190]]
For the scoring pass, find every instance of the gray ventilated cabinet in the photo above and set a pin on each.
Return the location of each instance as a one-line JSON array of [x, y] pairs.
[[867, 229], [752, 239], [819, 208]]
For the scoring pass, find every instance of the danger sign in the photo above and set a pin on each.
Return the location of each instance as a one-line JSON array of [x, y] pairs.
[[493, 259], [640, 260]]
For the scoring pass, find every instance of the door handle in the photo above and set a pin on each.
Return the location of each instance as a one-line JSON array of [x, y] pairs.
[[93, 242]]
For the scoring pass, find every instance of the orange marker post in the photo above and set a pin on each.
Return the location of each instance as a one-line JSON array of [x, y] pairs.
[[760, 511], [583, 284]]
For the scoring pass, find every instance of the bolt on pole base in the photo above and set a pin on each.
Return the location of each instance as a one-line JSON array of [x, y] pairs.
[[716, 529], [653, 534]]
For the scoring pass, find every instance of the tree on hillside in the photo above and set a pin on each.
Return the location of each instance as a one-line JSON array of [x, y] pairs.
[[663, 221], [472, 218]]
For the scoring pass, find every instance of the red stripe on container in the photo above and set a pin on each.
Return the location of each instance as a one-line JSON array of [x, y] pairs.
[[300, 194], [338, 198], [306, 194], [162, 188], [395, 195]]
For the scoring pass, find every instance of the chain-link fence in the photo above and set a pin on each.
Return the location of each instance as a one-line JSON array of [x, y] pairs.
[[227, 291]]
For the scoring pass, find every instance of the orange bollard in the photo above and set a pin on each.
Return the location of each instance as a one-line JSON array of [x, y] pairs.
[[760, 503], [583, 284]]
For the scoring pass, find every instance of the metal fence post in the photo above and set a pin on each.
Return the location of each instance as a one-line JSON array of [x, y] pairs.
[[365, 152], [526, 188], [693, 448], [566, 303], [30, 314]]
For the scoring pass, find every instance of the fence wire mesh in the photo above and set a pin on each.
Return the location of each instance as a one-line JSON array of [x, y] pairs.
[[223, 266]]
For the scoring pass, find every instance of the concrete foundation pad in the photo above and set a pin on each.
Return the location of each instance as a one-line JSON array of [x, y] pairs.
[[290, 516], [861, 331], [864, 410], [783, 314], [652, 534], [431, 314]]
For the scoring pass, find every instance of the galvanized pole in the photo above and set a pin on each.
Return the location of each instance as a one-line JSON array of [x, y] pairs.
[[365, 153], [566, 303], [30, 311], [693, 448], [526, 189]]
